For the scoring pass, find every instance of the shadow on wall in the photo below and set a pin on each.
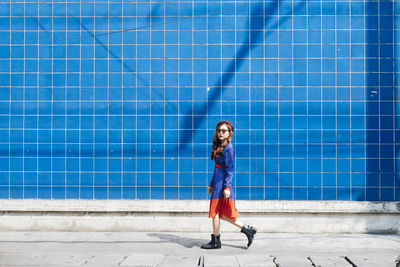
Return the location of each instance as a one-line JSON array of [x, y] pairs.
[[253, 34], [380, 95]]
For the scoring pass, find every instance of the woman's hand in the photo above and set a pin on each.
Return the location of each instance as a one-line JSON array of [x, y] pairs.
[[210, 190], [227, 193]]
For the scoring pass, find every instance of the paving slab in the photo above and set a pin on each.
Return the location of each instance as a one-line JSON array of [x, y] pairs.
[[251, 260], [180, 261], [29, 259], [220, 261], [143, 260], [329, 261], [290, 260], [371, 260], [98, 259]]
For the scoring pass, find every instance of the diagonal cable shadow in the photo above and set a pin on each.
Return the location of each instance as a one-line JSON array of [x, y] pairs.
[[154, 25], [145, 83], [36, 19], [111, 52]]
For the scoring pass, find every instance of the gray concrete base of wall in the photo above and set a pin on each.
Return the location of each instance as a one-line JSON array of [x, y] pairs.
[[192, 216]]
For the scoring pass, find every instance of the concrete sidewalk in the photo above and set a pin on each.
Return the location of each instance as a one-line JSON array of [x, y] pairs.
[[183, 249]]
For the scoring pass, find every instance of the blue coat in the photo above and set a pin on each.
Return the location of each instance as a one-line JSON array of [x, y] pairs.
[[222, 178]]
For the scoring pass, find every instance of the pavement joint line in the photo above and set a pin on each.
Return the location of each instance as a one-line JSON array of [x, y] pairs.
[[350, 262], [312, 262], [274, 261], [200, 262], [123, 259]]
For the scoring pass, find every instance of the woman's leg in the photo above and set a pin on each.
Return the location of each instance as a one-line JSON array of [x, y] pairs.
[[248, 230], [216, 225], [236, 223], [215, 237]]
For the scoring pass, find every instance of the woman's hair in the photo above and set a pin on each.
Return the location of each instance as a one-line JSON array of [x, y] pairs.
[[217, 142]]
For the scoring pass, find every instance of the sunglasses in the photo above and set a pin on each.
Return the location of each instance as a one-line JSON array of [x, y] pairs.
[[222, 130]]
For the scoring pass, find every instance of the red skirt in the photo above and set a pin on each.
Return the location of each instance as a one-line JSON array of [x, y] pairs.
[[224, 207]]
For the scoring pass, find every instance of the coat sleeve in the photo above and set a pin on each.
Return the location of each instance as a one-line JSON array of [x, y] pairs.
[[212, 182], [229, 154]]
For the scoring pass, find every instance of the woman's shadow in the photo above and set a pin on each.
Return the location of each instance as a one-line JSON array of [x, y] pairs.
[[186, 242]]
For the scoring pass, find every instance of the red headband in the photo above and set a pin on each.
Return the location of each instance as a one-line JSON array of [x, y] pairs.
[[227, 122]]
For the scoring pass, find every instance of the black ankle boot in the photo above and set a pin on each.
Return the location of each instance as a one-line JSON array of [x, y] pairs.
[[214, 243], [249, 231]]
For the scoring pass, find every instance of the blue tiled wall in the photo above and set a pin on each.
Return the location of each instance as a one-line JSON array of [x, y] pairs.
[[119, 99]]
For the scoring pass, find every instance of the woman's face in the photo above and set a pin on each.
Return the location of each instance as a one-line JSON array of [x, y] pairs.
[[223, 132]]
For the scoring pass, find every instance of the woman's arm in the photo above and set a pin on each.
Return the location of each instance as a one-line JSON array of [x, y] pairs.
[[229, 154], [211, 183]]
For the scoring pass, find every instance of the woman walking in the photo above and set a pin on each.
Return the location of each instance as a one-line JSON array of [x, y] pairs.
[[221, 189]]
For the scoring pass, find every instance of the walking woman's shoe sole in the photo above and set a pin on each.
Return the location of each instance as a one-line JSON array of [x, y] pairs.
[[205, 247]]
